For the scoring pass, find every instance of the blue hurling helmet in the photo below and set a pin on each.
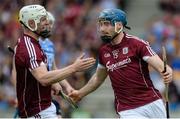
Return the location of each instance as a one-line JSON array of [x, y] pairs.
[[112, 15]]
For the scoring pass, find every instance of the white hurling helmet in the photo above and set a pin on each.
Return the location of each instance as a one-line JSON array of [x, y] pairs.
[[34, 12], [51, 17]]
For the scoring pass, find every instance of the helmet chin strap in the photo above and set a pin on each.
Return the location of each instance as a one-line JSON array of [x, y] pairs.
[[117, 32]]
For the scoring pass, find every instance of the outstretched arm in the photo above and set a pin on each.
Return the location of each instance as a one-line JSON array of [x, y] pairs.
[[96, 80], [49, 77]]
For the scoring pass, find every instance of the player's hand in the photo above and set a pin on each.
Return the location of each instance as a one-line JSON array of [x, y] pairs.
[[75, 96], [168, 75], [56, 88], [82, 63], [69, 89], [13, 102]]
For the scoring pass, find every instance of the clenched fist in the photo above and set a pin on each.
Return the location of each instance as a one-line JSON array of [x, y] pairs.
[[75, 96]]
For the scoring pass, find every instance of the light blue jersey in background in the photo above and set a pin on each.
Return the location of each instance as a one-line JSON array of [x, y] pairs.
[[49, 49]]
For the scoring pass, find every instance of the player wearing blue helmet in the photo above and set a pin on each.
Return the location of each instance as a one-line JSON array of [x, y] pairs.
[[125, 59]]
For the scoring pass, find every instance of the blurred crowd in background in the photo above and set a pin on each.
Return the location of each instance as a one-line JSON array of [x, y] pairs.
[[75, 31]]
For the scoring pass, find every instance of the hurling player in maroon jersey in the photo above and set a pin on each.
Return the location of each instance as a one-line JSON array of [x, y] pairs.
[[48, 48], [125, 58], [34, 81]]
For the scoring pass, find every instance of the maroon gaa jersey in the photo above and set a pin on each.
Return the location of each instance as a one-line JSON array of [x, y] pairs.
[[32, 96], [128, 72]]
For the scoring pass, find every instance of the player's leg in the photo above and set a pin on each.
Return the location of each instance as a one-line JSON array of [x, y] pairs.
[[155, 109], [58, 108], [49, 113], [16, 114], [132, 114]]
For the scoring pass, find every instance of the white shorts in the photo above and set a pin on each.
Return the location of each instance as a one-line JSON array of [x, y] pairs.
[[155, 109], [49, 113]]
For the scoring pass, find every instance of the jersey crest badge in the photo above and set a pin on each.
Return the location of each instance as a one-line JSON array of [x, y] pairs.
[[125, 50]]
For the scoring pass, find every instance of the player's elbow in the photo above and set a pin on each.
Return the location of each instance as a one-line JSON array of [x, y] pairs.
[[44, 82]]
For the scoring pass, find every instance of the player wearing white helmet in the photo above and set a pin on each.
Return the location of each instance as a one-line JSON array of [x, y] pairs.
[[34, 81], [32, 15]]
